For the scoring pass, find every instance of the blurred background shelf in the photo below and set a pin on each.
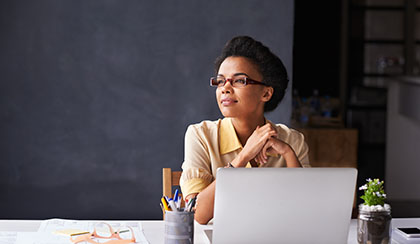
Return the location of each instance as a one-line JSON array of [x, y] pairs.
[[368, 44]]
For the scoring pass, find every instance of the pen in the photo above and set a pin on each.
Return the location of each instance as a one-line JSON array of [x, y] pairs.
[[172, 204], [80, 233], [187, 208], [165, 203], [176, 196], [178, 203], [167, 199], [186, 205], [121, 231], [163, 209], [191, 204], [193, 201]]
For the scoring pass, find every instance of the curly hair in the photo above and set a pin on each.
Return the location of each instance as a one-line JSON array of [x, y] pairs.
[[270, 66]]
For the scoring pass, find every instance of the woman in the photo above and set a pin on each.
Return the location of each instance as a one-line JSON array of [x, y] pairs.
[[250, 80]]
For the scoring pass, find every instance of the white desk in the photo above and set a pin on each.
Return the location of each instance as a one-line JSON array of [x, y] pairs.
[[153, 230]]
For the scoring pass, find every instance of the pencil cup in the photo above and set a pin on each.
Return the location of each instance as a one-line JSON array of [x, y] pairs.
[[179, 227]]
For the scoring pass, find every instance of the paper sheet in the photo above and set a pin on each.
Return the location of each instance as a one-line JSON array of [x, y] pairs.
[[17, 237], [29, 237], [46, 232], [7, 237]]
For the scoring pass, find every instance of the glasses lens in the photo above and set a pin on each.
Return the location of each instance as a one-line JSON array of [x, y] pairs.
[[103, 230], [217, 81], [239, 82], [126, 233]]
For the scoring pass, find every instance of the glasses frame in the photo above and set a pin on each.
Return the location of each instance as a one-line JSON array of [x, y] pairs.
[[114, 235], [248, 81]]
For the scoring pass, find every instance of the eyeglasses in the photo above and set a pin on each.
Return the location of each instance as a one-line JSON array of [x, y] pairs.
[[105, 231], [235, 82]]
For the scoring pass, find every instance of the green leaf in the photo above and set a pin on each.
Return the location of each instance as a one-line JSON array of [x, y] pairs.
[[374, 193]]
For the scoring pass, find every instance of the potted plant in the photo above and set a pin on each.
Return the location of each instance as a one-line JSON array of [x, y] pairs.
[[374, 220]]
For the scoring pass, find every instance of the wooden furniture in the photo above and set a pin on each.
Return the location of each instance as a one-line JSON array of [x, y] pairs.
[[169, 180], [331, 147]]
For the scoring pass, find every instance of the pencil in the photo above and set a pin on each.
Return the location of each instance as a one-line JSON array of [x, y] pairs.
[[165, 204], [79, 233]]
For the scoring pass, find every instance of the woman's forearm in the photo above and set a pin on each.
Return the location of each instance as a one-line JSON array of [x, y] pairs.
[[241, 160], [291, 159], [205, 204]]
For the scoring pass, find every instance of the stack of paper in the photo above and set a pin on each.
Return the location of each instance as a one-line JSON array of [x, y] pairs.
[[58, 231]]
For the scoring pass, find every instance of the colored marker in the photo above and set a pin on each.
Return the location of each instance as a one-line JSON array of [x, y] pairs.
[[165, 203]]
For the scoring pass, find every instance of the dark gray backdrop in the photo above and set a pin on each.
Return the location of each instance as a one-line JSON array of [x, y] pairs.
[[95, 97]]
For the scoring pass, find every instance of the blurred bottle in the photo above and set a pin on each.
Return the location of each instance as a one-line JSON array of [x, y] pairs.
[[315, 104], [326, 108], [296, 106], [305, 112]]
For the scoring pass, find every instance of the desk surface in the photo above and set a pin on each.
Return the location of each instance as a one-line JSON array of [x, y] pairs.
[[153, 230]]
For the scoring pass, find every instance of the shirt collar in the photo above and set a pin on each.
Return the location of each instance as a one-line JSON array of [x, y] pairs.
[[228, 140]]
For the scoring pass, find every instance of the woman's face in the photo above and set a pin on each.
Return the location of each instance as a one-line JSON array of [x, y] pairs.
[[242, 101]]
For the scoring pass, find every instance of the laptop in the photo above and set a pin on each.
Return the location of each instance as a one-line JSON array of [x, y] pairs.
[[283, 205]]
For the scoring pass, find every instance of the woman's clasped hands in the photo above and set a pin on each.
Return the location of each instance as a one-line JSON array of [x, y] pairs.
[[264, 141]]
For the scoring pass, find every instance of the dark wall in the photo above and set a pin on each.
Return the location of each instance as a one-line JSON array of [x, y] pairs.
[[95, 97]]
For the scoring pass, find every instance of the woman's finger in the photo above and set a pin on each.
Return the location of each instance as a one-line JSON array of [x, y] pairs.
[[268, 128], [264, 150], [257, 159], [273, 134], [267, 136], [263, 157], [260, 159]]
